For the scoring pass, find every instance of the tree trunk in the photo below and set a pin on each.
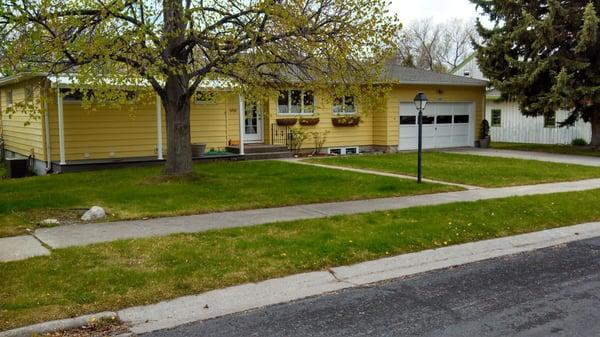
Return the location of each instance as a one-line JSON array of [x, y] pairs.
[[176, 100], [179, 147], [595, 129]]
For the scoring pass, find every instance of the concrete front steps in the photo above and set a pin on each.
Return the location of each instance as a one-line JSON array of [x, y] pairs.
[[262, 151]]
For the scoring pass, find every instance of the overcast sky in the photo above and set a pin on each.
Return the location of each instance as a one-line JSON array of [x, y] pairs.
[[439, 10]]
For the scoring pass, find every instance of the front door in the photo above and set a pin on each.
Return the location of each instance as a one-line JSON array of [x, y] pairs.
[[253, 123]]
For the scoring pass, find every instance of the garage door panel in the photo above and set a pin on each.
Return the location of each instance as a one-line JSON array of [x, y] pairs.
[[446, 125]]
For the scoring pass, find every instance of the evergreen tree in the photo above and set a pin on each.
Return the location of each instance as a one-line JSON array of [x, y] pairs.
[[545, 55]]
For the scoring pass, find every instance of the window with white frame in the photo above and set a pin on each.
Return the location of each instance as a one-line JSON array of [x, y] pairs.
[[205, 97], [9, 97], [344, 105], [550, 120], [29, 93], [296, 102], [496, 117]]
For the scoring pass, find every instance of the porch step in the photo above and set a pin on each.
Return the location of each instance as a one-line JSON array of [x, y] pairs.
[[258, 149], [268, 155]]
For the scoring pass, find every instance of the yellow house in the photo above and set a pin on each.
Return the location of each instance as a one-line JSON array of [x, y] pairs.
[[66, 136]]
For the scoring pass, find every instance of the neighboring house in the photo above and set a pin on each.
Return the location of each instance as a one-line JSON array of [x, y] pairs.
[[508, 124], [69, 137]]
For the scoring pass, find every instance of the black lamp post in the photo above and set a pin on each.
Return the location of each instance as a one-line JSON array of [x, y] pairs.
[[420, 103]]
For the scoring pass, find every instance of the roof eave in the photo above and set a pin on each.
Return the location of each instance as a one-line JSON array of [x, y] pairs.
[[8, 80]]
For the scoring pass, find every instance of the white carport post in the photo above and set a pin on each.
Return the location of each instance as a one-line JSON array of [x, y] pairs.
[[242, 121], [159, 136], [61, 126]]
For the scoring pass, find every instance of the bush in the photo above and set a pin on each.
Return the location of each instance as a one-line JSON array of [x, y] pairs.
[[579, 142]]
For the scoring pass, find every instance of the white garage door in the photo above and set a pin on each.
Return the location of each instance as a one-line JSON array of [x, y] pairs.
[[444, 125]]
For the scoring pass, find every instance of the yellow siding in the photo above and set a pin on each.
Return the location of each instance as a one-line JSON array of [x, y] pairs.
[[360, 135], [105, 132], [215, 124], [450, 94], [120, 133], [22, 133]]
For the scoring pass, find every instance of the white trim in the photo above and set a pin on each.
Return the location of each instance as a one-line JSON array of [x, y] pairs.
[[47, 130], [242, 118], [410, 129], [344, 150], [301, 113], [61, 127], [260, 126], [159, 137]]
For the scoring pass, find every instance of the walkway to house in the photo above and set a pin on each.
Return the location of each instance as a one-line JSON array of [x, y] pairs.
[[43, 240], [378, 173], [541, 156]]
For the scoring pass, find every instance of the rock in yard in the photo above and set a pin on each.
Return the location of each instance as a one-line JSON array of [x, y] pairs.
[[50, 222], [94, 213]]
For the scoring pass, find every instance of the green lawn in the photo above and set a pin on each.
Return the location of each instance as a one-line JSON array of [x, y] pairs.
[[137, 192], [468, 169], [115, 275], [560, 149]]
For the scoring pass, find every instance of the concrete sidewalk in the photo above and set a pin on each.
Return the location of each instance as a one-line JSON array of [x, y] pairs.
[[541, 156], [85, 234], [217, 303]]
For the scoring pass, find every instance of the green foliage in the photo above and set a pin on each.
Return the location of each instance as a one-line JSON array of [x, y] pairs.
[[178, 47], [485, 129], [545, 55], [469, 169], [579, 142], [122, 274], [550, 148], [135, 193], [299, 135], [319, 138]]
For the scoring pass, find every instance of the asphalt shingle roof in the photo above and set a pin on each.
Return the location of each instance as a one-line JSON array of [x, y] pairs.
[[406, 75]]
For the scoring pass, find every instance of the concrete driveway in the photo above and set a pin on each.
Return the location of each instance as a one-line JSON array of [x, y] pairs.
[[541, 156]]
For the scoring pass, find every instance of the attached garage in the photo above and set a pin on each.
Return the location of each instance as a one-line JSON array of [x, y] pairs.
[[445, 125]]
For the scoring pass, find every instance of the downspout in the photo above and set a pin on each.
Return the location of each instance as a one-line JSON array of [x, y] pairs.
[[48, 144], [242, 121], [61, 126]]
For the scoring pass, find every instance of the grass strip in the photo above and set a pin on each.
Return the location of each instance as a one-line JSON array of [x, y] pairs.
[[76, 281], [134, 193], [468, 169]]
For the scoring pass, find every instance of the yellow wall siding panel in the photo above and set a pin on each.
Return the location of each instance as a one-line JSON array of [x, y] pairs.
[[435, 93], [22, 133], [360, 135], [116, 133]]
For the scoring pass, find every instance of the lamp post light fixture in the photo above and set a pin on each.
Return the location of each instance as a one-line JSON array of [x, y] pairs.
[[420, 102]]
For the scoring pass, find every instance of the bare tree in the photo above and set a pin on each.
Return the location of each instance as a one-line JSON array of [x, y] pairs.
[[456, 43], [436, 46]]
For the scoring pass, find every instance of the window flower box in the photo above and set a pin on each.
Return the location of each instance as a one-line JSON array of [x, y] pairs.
[[309, 121], [286, 121], [345, 121]]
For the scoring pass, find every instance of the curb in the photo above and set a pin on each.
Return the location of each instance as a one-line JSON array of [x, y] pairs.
[[240, 298], [59, 325]]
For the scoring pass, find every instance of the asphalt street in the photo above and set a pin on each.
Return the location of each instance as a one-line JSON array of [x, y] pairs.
[[549, 292]]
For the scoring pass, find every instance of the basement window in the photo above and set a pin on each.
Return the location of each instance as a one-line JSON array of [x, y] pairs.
[[343, 150]]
